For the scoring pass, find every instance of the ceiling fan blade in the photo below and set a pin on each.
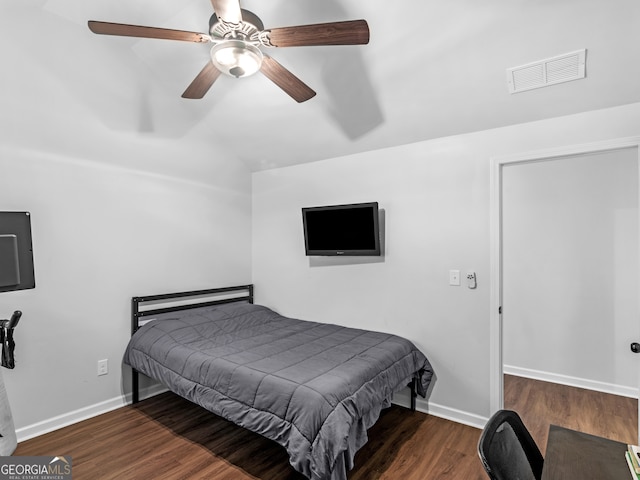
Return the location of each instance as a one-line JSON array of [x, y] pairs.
[[124, 30], [202, 83], [227, 10], [287, 81], [352, 32]]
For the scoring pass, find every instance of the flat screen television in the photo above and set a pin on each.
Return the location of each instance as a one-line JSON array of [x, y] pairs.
[[342, 229], [16, 253]]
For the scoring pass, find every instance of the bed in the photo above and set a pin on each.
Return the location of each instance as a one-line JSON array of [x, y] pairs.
[[313, 388]]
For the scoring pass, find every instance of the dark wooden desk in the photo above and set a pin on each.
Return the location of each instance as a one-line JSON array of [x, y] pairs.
[[580, 456]]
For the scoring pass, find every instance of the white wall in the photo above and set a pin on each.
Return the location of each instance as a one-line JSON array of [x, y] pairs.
[[570, 264], [102, 234], [436, 200]]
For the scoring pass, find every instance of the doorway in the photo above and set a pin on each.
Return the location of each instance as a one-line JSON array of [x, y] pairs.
[[562, 289]]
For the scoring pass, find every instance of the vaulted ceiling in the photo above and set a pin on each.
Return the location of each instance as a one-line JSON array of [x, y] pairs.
[[431, 69]]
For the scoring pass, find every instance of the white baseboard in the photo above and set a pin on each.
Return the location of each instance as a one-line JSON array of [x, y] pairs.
[[66, 419], [604, 387], [453, 414], [402, 398], [60, 421]]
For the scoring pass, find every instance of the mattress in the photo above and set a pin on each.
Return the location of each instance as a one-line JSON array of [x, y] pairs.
[[314, 388]]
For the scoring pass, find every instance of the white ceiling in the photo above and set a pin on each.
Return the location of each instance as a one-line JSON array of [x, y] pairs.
[[432, 69]]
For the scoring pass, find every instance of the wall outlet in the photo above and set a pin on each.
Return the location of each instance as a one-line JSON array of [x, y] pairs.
[[103, 367], [454, 277]]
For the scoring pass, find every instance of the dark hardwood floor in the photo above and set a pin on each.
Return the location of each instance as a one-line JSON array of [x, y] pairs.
[[541, 404], [167, 437]]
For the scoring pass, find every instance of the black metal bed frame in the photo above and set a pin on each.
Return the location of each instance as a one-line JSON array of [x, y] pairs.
[[137, 313]]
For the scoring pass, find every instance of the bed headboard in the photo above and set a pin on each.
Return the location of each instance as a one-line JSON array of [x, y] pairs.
[[156, 304], [172, 302]]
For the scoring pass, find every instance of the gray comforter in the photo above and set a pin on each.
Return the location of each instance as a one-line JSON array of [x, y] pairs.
[[314, 388]]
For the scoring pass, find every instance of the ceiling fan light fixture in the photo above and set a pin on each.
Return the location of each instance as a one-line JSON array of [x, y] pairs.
[[236, 58]]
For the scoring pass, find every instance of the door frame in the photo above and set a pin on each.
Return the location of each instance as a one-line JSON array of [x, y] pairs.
[[496, 397]]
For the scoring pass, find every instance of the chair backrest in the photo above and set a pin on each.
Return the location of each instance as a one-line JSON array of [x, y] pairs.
[[507, 450]]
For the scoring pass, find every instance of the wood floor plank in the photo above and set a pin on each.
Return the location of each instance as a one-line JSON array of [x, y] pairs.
[[541, 404], [170, 438], [167, 437]]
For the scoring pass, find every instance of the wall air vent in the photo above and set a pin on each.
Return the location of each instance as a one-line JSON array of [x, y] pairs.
[[559, 69]]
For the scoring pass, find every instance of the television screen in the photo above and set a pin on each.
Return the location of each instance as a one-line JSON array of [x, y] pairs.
[[16, 255], [342, 229]]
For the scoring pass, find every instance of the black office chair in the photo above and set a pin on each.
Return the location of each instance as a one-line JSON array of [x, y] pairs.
[[507, 450]]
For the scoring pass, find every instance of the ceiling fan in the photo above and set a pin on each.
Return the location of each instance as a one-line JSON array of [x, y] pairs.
[[237, 35]]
